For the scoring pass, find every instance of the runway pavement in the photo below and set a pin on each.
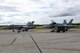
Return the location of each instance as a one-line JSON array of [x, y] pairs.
[[40, 41]]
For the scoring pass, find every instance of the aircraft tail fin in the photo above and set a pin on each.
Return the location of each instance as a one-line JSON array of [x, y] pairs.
[[30, 23], [70, 22], [64, 22]]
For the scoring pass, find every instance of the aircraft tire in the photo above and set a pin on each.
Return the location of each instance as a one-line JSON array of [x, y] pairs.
[[63, 31], [66, 29], [23, 30], [13, 30], [26, 30], [18, 31], [58, 30]]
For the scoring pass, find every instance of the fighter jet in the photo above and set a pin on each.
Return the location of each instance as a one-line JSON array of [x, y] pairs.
[[59, 27], [19, 28]]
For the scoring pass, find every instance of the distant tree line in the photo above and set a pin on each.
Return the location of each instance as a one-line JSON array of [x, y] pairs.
[[76, 25]]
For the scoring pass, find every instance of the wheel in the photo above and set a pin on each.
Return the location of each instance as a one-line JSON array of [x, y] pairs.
[[13, 30], [18, 31], [66, 29], [23, 30], [63, 30], [26, 30], [58, 31]]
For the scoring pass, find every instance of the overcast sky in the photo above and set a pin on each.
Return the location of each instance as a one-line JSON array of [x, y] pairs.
[[40, 11]]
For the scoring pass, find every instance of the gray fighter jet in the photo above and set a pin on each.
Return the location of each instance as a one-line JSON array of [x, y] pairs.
[[59, 27], [19, 28]]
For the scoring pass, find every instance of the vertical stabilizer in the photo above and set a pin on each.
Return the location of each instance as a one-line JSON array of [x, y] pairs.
[[64, 22], [70, 22], [30, 23]]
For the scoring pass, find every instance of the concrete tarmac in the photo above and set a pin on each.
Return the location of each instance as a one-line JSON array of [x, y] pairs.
[[40, 41]]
